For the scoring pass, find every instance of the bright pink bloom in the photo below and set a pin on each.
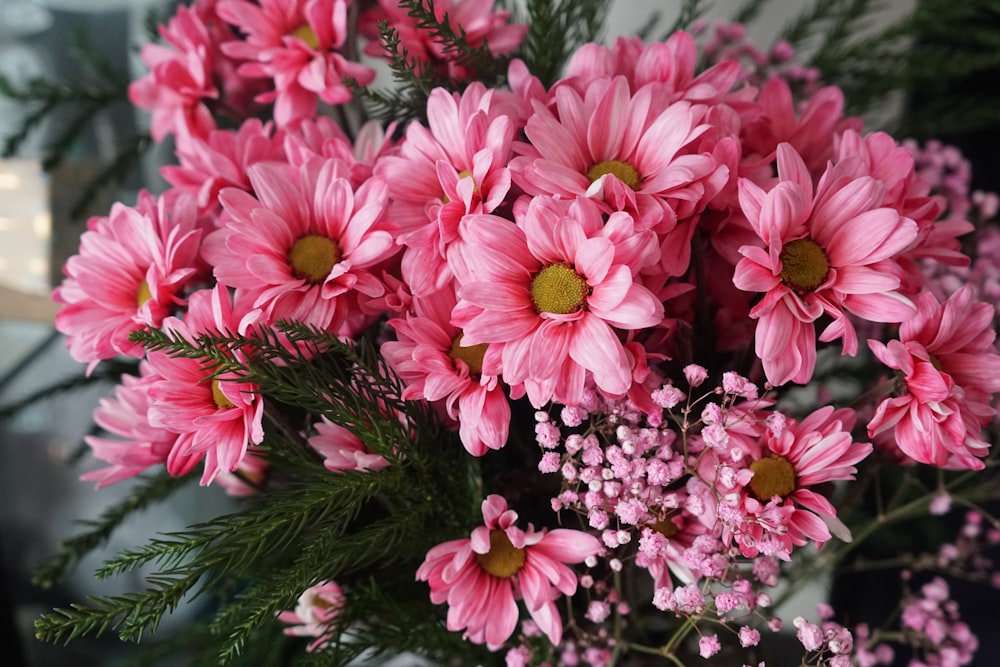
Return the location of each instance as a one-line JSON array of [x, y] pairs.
[[221, 159], [294, 43], [455, 166], [950, 371], [429, 357], [832, 252], [214, 417], [140, 445], [302, 248], [315, 613], [482, 577], [624, 147], [670, 65], [180, 81], [342, 450], [779, 503], [476, 19], [554, 293], [131, 272]]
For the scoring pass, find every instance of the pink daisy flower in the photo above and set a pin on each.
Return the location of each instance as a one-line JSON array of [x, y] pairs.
[[476, 19], [482, 577], [131, 272], [303, 248], [342, 450], [554, 293], [315, 613], [950, 371], [670, 65], [180, 82], [215, 417], [430, 358], [624, 146], [455, 166], [294, 43], [779, 505], [221, 159], [828, 253], [139, 445]]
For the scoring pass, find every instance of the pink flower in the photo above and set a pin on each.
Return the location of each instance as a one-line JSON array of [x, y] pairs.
[[342, 450], [303, 246], [220, 159], [140, 445], [554, 293], [780, 504], [130, 273], [950, 371], [315, 613], [180, 81], [625, 147], [456, 165], [476, 19], [430, 358], [482, 576], [294, 43], [215, 417], [829, 253], [670, 65]]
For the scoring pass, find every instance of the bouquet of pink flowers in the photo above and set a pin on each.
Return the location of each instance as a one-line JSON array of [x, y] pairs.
[[558, 367]]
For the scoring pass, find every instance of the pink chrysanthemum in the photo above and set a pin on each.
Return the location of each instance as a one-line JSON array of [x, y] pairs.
[[303, 248], [215, 417], [219, 160], [623, 146], [140, 445], [455, 166], [131, 272], [342, 450], [779, 505], [430, 358], [180, 81], [828, 253], [950, 371], [294, 43], [315, 613], [555, 294], [482, 576], [670, 65], [476, 19]]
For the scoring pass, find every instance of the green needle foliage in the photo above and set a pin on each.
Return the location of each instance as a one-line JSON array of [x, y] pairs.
[[555, 29], [311, 525]]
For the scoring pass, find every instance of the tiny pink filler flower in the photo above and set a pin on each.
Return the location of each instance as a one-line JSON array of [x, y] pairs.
[[482, 577]]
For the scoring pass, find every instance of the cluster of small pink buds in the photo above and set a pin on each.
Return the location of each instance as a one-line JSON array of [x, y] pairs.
[[828, 644], [935, 629]]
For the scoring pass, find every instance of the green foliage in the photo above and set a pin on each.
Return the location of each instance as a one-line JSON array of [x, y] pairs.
[[414, 78], [311, 524], [555, 29]]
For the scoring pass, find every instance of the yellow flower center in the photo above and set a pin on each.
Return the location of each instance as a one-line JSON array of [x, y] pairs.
[[471, 355], [503, 559], [307, 35], [773, 476], [220, 399], [804, 265], [312, 257], [558, 289], [142, 295], [623, 171]]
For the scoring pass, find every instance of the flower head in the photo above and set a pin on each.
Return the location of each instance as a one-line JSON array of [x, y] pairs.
[[315, 613], [482, 576]]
